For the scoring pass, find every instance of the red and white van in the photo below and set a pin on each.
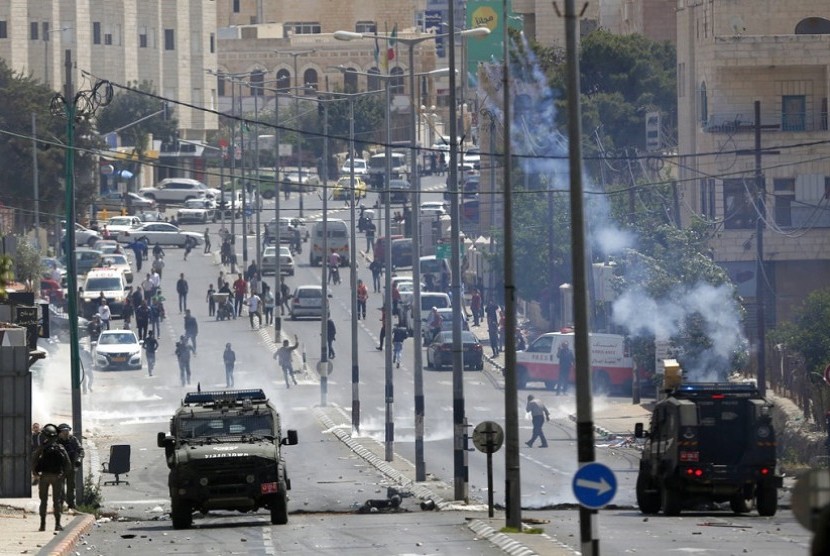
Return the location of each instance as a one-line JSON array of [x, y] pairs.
[[612, 368]]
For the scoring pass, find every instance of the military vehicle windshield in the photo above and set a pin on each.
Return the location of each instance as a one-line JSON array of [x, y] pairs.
[[216, 426]]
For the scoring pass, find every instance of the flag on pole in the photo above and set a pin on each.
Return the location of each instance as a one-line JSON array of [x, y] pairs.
[[393, 41], [377, 49]]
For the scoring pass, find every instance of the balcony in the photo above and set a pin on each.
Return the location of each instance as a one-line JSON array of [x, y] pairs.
[[743, 121]]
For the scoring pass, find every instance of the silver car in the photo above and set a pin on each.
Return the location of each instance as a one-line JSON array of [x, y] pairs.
[[307, 301], [269, 261]]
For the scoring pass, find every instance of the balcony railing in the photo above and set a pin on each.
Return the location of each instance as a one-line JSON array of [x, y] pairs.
[[732, 122]]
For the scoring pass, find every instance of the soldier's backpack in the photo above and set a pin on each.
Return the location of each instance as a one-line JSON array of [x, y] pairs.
[[51, 459]]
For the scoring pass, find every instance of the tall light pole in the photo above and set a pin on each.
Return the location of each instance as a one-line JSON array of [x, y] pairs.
[[47, 34], [420, 465], [294, 54]]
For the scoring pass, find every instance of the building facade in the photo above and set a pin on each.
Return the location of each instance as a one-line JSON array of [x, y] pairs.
[[124, 41], [731, 54]]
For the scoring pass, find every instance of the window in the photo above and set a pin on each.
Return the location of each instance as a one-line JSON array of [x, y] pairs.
[[33, 31], [707, 197], [738, 206], [283, 79], [350, 80], [169, 39], [366, 27], [784, 189], [793, 112], [212, 43], [301, 28], [45, 29], [396, 82], [220, 85], [142, 37], [4, 30], [257, 80], [108, 37], [704, 104], [96, 32], [372, 80], [236, 6], [310, 79]]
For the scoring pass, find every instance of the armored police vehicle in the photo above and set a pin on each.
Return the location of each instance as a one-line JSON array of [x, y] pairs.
[[709, 443], [224, 453]]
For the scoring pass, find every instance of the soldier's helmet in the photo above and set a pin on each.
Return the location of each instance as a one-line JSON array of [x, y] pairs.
[[49, 432], [64, 427]]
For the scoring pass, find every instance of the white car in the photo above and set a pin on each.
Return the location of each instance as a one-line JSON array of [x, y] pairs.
[[200, 211], [83, 236], [433, 208], [307, 301], [291, 181], [118, 224], [118, 349], [269, 262], [117, 261], [162, 233], [360, 167], [177, 190], [473, 156]]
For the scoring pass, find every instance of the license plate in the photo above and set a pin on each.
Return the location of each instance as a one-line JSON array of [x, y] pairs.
[[119, 359], [268, 488]]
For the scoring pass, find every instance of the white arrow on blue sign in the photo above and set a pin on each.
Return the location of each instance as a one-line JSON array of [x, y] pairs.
[[594, 485]]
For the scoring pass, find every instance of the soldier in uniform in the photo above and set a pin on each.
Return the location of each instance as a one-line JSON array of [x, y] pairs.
[[76, 455], [51, 463]]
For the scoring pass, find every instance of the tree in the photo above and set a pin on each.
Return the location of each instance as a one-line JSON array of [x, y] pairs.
[[22, 97], [27, 265]]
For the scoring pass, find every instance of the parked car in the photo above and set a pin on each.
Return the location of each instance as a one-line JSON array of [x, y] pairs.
[[307, 301], [446, 322], [150, 216], [117, 261], [162, 233], [440, 353], [398, 191], [115, 200], [108, 246], [199, 211], [360, 167], [117, 349], [269, 260], [473, 156], [433, 208], [83, 236], [118, 224], [178, 190], [342, 190], [86, 259]]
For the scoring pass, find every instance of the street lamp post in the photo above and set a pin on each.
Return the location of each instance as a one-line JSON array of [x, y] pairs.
[[420, 467]]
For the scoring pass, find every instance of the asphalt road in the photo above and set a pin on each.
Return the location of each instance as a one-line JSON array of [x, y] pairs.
[[330, 482]]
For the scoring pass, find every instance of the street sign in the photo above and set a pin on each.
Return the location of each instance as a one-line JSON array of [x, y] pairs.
[[324, 368], [594, 485], [442, 251], [488, 437]]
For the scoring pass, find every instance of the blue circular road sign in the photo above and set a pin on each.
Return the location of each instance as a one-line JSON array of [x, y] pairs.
[[594, 485]]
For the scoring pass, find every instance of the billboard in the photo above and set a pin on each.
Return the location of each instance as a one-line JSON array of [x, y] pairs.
[[487, 13]]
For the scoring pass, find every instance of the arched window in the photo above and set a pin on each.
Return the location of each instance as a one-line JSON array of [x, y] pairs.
[[310, 79], [372, 80], [283, 80], [704, 104], [257, 81], [813, 26], [350, 80], [396, 82]]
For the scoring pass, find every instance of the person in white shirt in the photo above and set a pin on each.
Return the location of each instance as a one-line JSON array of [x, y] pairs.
[[155, 278], [104, 314], [254, 305]]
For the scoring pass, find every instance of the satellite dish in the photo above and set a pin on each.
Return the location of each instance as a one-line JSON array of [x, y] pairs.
[[737, 25]]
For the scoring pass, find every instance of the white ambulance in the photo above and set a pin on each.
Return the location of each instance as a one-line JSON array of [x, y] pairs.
[[612, 368]]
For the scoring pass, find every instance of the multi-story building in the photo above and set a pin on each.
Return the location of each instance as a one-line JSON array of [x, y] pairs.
[[124, 41], [731, 54]]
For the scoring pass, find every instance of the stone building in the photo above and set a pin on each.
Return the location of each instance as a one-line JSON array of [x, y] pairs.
[[730, 55]]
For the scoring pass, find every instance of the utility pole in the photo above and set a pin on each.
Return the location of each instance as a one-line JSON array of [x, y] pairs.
[[36, 181], [760, 290]]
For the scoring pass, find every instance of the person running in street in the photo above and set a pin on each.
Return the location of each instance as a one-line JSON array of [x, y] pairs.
[[475, 306], [268, 304], [211, 301], [189, 244], [376, 269], [93, 329], [191, 328], [566, 362], [158, 252], [207, 240], [240, 289], [331, 332], [183, 351], [254, 304], [285, 297], [362, 298], [283, 356], [75, 451], [539, 414], [151, 345], [51, 464], [399, 334], [182, 288], [156, 312], [104, 314], [382, 328], [229, 358], [127, 312]]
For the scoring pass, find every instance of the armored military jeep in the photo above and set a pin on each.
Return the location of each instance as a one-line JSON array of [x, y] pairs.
[[709, 443], [224, 453]]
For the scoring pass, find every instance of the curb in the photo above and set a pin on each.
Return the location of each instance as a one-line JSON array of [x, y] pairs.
[[63, 544], [602, 431]]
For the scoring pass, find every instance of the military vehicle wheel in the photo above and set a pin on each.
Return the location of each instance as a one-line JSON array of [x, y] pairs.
[[181, 514], [647, 498], [279, 510], [670, 501], [767, 500], [740, 505]]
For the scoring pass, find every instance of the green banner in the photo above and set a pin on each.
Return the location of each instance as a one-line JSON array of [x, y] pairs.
[[487, 13]]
